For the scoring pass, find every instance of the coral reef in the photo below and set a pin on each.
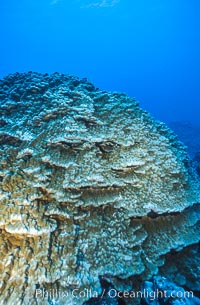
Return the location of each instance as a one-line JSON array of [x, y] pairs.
[[183, 268], [161, 291], [90, 186]]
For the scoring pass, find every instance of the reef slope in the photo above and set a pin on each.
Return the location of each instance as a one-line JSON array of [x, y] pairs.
[[90, 186]]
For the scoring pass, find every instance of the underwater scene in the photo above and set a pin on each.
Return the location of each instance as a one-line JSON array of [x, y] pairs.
[[100, 152]]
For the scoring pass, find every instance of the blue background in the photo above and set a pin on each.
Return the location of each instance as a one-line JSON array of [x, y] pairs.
[[149, 49]]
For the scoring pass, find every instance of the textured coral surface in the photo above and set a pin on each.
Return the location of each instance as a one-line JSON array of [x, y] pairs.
[[90, 186]]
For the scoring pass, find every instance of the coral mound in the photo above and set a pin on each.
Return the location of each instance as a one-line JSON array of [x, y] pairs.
[[90, 186]]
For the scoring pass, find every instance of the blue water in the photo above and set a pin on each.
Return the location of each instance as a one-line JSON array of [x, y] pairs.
[[149, 49]]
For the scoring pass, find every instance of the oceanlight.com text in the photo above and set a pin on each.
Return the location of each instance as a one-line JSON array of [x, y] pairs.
[[56, 294]]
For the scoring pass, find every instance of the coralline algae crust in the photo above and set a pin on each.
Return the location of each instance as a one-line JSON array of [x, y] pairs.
[[90, 185]]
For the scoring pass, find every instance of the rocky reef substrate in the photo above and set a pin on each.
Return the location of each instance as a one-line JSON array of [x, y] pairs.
[[94, 195]]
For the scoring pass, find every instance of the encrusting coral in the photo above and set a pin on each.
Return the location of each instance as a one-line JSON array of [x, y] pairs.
[[90, 186]]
